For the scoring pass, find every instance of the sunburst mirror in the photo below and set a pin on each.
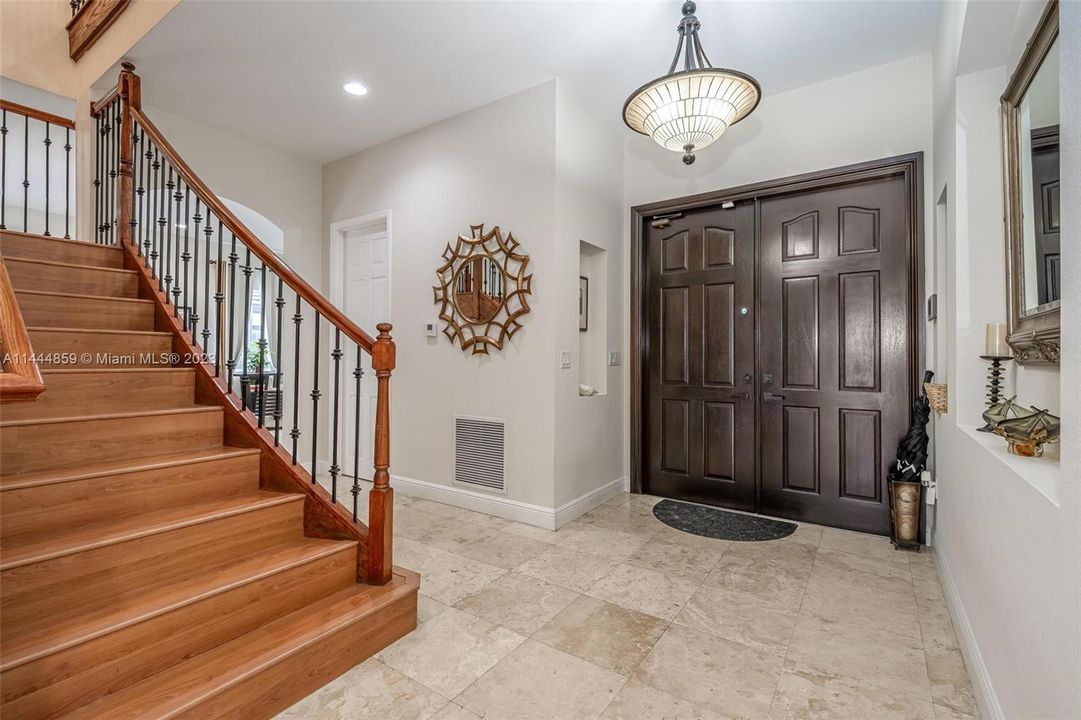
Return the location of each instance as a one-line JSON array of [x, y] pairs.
[[483, 289]]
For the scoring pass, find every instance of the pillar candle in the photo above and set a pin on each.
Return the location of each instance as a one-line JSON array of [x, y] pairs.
[[995, 344]]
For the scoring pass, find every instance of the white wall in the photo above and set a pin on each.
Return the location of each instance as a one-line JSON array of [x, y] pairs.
[[589, 431], [1008, 530], [493, 165]]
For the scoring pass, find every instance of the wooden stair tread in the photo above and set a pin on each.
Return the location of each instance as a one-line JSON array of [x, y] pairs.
[[17, 244], [69, 266], [98, 331], [82, 296], [110, 416], [192, 682], [29, 549], [117, 467], [56, 633]]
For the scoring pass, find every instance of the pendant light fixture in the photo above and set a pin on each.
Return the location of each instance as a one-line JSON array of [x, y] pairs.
[[689, 109]]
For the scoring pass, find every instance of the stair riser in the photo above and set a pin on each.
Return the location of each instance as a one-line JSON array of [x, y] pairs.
[[76, 253], [28, 448], [95, 392], [282, 684], [141, 650], [64, 505], [99, 350], [78, 281], [122, 569], [76, 312]]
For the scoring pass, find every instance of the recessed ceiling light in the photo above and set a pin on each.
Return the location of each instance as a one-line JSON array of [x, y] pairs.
[[355, 88]]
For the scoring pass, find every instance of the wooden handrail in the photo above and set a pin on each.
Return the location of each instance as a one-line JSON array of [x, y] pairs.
[[35, 114], [310, 295], [20, 378], [97, 107]]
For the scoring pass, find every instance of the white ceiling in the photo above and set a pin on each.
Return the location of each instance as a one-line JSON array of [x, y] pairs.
[[273, 71]]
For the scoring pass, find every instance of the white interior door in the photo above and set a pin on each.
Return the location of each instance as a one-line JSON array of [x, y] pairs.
[[366, 300]]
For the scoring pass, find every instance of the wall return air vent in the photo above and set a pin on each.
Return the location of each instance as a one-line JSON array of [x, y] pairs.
[[479, 452]]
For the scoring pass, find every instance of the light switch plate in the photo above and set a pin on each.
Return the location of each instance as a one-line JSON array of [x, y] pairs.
[[613, 359], [565, 360]]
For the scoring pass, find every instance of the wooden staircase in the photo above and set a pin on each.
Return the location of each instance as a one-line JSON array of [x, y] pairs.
[[147, 569]]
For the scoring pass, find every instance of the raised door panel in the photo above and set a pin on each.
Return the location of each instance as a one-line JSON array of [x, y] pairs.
[[674, 253], [857, 230], [718, 318], [860, 457], [718, 247], [800, 331], [675, 309], [719, 440], [801, 449], [799, 237], [675, 436], [859, 332]]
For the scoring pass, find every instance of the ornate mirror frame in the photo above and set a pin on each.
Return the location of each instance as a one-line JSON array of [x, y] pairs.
[[1033, 332], [479, 335]]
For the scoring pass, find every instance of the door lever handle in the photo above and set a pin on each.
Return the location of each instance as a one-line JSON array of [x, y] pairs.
[[742, 396], [769, 397]]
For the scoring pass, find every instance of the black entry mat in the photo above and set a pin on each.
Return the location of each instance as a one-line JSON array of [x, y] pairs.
[[721, 524]]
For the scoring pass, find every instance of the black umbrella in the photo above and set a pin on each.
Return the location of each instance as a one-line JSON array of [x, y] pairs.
[[912, 450]]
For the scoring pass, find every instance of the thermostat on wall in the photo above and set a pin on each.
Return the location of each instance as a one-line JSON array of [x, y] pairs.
[[431, 329]]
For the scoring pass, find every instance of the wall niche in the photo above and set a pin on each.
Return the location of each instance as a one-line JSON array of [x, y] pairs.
[[593, 340]]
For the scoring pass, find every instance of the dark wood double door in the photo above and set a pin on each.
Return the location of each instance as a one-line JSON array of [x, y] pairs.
[[778, 352]]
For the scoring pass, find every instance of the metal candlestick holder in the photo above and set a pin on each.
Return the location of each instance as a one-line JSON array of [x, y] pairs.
[[994, 383]]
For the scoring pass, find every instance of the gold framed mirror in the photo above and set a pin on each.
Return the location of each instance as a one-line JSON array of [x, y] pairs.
[[1030, 143], [483, 289]]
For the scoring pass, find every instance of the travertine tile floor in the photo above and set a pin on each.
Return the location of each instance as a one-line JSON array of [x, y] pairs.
[[617, 616]]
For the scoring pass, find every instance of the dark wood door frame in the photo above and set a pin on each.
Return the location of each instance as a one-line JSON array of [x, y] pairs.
[[909, 166]]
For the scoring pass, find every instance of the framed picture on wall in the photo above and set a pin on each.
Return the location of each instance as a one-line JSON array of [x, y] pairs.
[[583, 303]]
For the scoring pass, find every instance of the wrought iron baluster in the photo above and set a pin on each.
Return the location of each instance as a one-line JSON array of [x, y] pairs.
[[67, 183], [26, 169], [48, 147], [192, 302], [208, 235], [3, 168], [262, 355], [358, 373], [295, 432], [171, 198], [230, 362], [279, 303], [219, 298], [185, 256], [148, 217], [244, 371], [334, 468], [315, 395], [140, 197], [133, 223], [155, 253], [113, 162]]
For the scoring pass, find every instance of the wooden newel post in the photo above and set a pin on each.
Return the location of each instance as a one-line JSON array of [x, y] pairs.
[[130, 97], [381, 501]]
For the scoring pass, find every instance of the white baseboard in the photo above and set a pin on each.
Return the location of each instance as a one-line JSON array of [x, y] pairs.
[[984, 689], [514, 510], [584, 503]]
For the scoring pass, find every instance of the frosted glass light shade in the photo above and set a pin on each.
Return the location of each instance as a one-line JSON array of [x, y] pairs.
[[691, 108]]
